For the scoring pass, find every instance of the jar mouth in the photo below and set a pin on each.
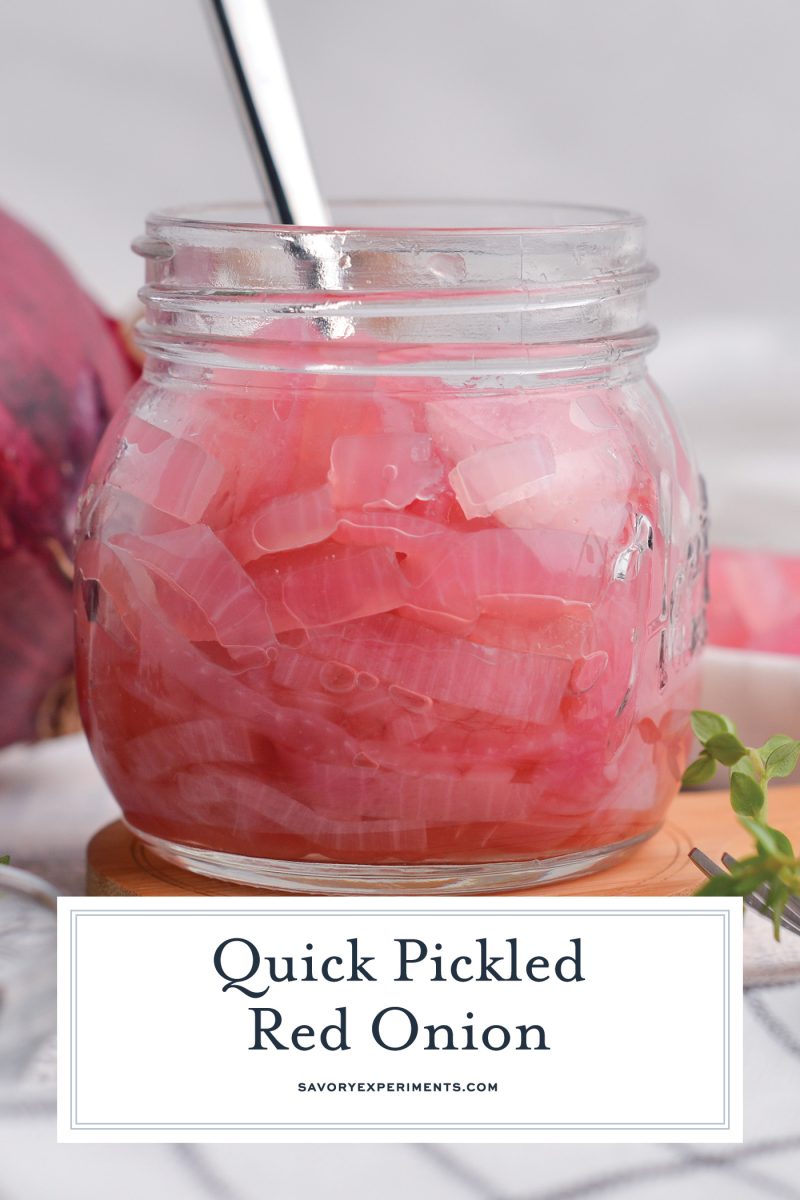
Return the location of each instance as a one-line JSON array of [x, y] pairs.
[[409, 287], [454, 216], [233, 248]]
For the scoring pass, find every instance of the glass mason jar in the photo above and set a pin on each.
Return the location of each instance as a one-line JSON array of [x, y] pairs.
[[391, 574]]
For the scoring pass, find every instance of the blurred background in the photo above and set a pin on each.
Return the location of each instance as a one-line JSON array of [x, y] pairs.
[[685, 111]]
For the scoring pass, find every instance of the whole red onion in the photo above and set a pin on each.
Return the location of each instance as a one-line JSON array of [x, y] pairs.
[[63, 370]]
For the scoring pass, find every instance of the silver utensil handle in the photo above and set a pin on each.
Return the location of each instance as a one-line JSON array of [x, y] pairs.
[[250, 49]]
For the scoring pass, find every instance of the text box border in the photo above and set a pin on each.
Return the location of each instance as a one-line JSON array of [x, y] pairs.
[[438, 911]]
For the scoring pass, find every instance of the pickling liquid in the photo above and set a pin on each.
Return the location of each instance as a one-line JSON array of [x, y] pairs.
[[356, 621]]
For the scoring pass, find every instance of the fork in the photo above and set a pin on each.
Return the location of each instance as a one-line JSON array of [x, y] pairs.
[[757, 900]]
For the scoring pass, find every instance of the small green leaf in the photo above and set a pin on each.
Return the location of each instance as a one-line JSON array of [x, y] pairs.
[[776, 901], [5, 860], [706, 724], [772, 841], [781, 759], [782, 842], [746, 766], [717, 885], [780, 739], [744, 877], [773, 866], [745, 882], [699, 772], [747, 796], [726, 748], [743, 864], [761, 835]]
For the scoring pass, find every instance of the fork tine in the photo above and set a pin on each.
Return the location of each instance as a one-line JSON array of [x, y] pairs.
[[757, 901], [786, 922], [706, 864], [793, 904], [710, 868], [790, 918], [754, 900]]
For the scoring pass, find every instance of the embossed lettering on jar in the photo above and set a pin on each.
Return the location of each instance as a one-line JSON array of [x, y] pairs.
[[391, 576]]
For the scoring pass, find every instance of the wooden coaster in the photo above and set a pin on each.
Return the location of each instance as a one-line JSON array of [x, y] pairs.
[[119, 865]]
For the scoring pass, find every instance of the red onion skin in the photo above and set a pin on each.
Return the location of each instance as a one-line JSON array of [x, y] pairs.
[[63, 371]]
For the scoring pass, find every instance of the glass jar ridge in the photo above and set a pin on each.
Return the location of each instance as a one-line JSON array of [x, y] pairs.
[[542, 300]]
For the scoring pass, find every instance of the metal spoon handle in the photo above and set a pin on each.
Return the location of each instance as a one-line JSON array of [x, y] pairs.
[[250, 49]]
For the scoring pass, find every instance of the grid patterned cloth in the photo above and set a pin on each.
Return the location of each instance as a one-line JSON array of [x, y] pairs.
[[51, 800]]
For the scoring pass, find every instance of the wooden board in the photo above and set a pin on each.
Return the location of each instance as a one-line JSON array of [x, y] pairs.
[[119, 865]]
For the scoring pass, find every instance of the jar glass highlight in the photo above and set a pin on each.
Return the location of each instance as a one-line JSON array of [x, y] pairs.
[[391, 574]]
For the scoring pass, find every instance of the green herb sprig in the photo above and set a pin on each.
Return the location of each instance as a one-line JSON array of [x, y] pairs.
[[774, 862]]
